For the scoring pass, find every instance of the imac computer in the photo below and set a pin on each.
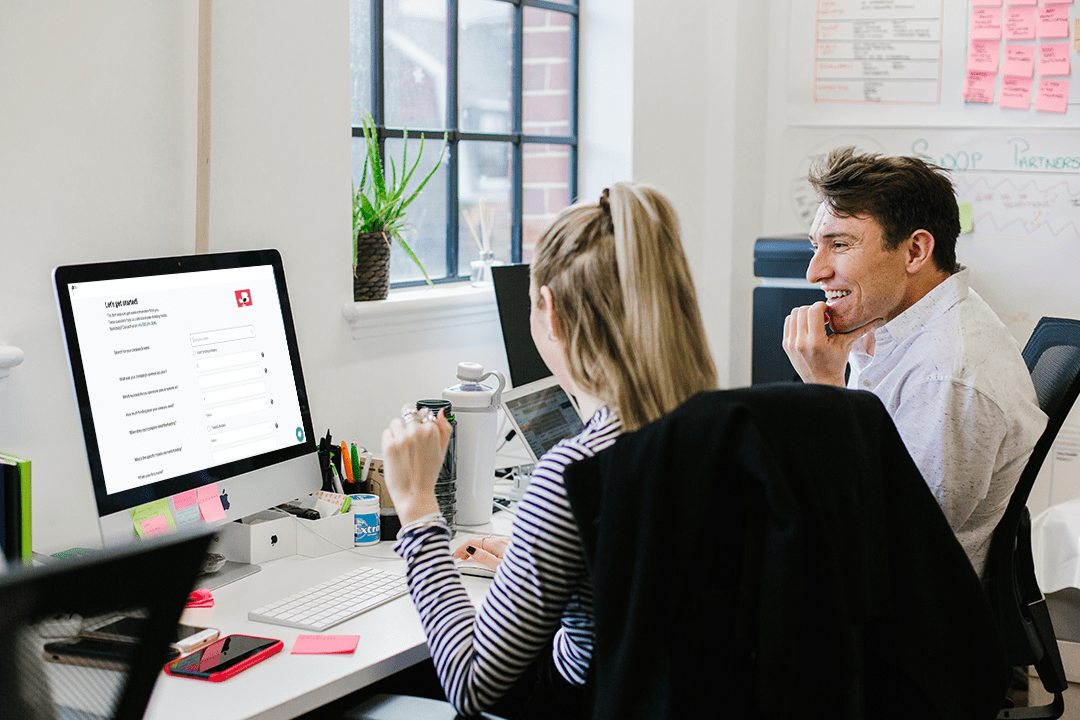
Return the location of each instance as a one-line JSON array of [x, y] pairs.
[[189, 387]]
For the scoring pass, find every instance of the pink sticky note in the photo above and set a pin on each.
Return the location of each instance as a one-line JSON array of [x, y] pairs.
[[986, 3], [979, 87], [156, 525], [211, 509], [983, 56], [324, 644], [1053, 96], [1053, 21], [985, 24], [1023, 2], [1015, 93], [1019, 60], [1057, 2], [207, 491], [1054, 59], [185, 499], [1020, 23]]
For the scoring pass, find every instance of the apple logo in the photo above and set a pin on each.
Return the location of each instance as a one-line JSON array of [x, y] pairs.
[[273, 540], [224, 500]]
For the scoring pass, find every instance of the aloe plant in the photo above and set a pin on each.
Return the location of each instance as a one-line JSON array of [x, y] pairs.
[[380, 202]]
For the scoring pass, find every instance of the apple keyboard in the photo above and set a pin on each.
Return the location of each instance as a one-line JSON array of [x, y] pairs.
[[324, 605]]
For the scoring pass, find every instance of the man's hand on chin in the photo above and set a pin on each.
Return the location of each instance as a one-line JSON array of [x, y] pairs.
[[817, 356]]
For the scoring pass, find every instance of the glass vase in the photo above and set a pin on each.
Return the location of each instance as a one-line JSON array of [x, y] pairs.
[[480, 270]]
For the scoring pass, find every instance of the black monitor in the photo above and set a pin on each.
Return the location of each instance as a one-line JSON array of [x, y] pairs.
[[48, 608], [512, 297], [189, 386]]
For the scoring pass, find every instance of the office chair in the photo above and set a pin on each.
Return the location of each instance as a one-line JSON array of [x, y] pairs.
[[1052, 355], [773, 552], [68, 599]]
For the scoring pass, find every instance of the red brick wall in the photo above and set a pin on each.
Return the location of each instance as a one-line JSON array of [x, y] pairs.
[[545, 111]]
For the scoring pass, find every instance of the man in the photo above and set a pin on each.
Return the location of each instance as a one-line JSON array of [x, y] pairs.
[[902, 314]]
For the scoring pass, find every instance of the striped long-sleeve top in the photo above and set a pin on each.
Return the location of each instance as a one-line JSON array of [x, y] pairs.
[[541, 588]]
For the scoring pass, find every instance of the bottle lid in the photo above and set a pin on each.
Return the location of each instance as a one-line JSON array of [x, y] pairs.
[[435, 405], [470, 371], [364, 501]]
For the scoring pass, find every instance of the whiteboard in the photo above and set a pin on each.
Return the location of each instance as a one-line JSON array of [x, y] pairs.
[[905, 62], [1023, 252]]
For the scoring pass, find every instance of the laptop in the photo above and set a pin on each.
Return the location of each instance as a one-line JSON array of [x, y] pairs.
[[542, 414], [539, 409]]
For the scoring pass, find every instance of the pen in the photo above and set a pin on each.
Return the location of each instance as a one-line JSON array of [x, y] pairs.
[[336, 480], [346, 462], [367, 466], [357, 478]]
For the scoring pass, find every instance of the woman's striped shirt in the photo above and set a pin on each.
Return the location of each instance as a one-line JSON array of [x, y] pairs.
[[541, 588]]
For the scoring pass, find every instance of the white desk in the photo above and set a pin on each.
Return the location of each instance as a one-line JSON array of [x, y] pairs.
[[286, 685]]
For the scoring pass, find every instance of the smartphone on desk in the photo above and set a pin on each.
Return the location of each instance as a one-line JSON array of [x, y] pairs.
[[223, 658], [186, 639], [96, 653]]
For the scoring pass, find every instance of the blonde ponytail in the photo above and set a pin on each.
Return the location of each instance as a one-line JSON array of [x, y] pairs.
[[626, 304]]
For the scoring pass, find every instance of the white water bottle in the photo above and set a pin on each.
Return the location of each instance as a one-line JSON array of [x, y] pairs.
[[476, 409]]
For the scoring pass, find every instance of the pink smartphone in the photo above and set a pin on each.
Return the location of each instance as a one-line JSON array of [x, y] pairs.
[[222, 659]]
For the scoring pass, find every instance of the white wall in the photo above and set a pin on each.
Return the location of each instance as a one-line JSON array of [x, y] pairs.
[[97, 162], [97, 158], [97, 130], [699, 71]]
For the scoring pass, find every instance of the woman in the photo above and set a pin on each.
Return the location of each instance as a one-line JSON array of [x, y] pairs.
[[615, 318]]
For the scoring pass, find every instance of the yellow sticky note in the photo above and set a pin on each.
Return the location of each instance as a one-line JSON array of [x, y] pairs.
[[148, 518], [967, 218]]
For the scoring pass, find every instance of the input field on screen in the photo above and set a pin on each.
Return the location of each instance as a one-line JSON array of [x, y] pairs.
[[226, 361], [244, 433], [230, 376], [240, 408], [233, 393], [210, 337], [242, 451]]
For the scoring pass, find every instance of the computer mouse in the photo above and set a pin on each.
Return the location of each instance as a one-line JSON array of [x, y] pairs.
[[473, 567]]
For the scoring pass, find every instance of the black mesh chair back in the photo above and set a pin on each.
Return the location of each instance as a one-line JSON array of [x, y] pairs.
[[1052, 355], [70, 599]]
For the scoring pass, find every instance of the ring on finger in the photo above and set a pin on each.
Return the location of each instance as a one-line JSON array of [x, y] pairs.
[[409, 416], [424, 415]]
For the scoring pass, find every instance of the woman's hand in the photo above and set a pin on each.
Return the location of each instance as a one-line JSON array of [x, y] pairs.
[[413, 450], [487, 550]]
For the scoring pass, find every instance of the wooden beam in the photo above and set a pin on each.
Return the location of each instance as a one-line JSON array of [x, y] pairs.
[[202, 173]]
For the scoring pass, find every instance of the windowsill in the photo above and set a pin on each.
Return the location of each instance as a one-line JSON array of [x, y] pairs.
[[419, 309]]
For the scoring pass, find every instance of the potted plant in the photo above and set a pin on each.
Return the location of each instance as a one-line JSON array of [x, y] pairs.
[[379, 206]]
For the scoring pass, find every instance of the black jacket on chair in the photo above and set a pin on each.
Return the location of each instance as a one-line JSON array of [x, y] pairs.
[[774, 552]]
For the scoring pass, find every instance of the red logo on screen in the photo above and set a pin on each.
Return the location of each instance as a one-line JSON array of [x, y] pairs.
[[243, 298]]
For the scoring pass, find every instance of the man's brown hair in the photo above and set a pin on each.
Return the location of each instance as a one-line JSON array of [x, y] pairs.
[[902, 194]]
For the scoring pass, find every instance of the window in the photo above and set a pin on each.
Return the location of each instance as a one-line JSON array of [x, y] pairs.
[[499, 77]]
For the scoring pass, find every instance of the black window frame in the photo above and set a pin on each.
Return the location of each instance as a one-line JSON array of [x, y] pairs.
[[517, 139]]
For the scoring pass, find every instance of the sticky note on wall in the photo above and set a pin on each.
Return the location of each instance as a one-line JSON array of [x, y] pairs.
[[967, 218]]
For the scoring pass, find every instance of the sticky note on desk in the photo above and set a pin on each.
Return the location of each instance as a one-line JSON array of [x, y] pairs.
[[325, 644]]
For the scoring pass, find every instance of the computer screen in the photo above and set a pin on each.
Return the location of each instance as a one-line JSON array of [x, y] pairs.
[[543, 414], [187, 374], [512, 298]]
